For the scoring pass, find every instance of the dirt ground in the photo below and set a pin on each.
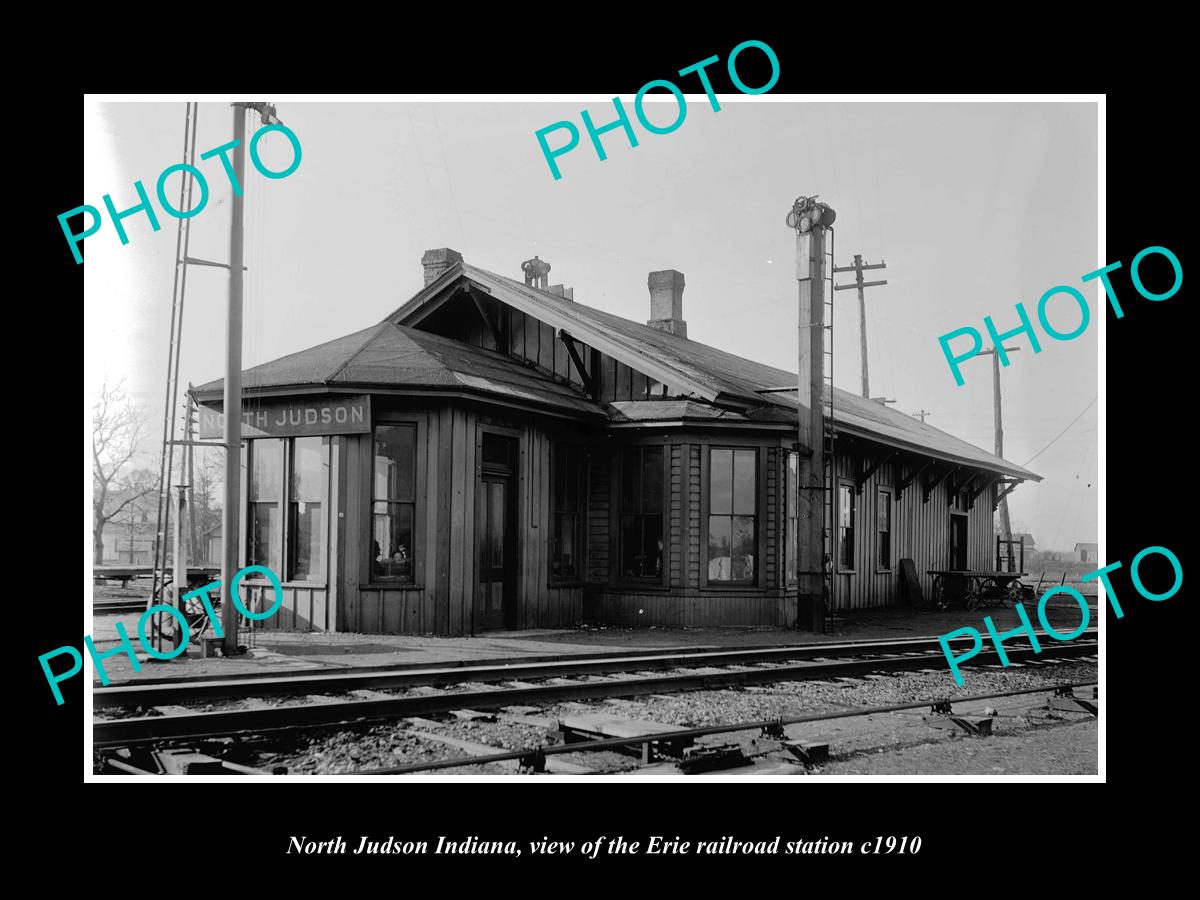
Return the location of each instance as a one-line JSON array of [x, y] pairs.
[[1060, 750]]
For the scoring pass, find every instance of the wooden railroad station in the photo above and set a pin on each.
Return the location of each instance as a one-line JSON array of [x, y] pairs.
[[497, 454]]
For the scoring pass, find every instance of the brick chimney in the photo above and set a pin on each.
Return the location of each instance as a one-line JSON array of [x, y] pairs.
[[438, 261], [666, 302]]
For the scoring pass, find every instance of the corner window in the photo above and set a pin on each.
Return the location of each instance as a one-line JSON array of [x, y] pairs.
[[732, 515], [393, 507], [286, 518], [641, 547], [792, 526], [566, 550], [883, 526], [846, 525], [264, 496]]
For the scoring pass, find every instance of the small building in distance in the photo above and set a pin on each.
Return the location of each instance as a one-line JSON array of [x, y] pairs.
[[1088, 553], [497, 454]]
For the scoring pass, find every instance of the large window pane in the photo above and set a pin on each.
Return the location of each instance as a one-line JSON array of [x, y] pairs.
[[745, 495], [568, 503], [631, 488], [392, 549], [266, 472], [721, 480], [846, 526], [642, 546], [264, 515], [394, 508], [308, 487], [652, 479], [263, 531], [719, 546], [395, 462], [732, 523], [743, 548]]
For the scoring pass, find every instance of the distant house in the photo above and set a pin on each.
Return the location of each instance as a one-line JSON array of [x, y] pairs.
[[131, 543], [1030, 543], [1088, 553]]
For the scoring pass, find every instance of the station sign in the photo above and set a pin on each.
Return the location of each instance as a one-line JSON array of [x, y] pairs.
[[290, 418]]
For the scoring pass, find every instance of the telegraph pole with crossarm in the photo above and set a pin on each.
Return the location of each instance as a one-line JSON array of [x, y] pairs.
[[858, 268], [1005, 524]]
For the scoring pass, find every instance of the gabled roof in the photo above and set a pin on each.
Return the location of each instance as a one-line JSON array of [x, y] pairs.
[[395, 356], [1087, 546], [709, 373]]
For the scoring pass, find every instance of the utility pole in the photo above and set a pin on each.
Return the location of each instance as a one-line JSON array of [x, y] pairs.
[[858, 268], [232, 406], [811, 221], [1005, 524], [921, 414]]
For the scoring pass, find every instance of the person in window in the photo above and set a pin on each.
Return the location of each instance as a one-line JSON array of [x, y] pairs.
[[377, 554]]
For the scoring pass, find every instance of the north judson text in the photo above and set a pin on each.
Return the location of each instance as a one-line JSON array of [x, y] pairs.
[[368, 845]]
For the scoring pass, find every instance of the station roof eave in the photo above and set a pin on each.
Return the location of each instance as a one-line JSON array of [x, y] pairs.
[[392, 359]]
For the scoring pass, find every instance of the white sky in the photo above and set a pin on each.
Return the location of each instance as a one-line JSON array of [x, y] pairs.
[[974, 207]]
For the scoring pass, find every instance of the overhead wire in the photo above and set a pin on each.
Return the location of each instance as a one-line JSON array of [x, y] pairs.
[[1061, 433]]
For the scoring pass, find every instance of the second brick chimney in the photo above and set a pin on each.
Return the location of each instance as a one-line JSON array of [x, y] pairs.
[[666, 302], [438, 261]]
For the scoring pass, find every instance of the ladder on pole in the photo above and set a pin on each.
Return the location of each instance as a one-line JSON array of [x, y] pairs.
[[829, 481], [166, 463]]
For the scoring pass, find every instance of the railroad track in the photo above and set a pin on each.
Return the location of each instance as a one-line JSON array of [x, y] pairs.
[[121, 605], [432, 690]]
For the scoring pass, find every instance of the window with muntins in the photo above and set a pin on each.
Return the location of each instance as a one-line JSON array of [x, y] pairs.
[[641, 526], [393, 506], [732, 515]]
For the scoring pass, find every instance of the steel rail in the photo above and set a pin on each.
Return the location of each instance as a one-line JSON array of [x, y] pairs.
[[704, 731], [172, 691], [142, 729]]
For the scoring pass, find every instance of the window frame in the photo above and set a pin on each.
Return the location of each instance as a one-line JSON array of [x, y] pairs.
[[880, 492], [758, 583], [617, 495], [851, 569], [579, 578], [287, 451], [385, 582]]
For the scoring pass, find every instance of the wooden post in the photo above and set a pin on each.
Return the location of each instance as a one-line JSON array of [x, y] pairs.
[[1005, 523], [233, 392]]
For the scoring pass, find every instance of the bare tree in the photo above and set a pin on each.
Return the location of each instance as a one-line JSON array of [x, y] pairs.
[[116, 431]]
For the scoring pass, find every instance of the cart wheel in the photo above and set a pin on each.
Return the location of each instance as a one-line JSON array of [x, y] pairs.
[[939, 592]]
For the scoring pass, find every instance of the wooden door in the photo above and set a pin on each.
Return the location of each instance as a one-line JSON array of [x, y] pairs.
[[958, 542], [496, 545]]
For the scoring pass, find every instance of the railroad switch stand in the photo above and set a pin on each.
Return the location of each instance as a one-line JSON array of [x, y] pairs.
[[533, 763], [942, 716], [1065, 700]]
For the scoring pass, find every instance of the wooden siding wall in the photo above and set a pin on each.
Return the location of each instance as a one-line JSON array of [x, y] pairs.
[[684, 602], [536, 343], [441, 599], [920, 531], [541, 605]]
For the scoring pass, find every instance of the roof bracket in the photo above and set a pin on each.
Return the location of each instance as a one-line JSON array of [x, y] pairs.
[[1004, 493], [865, 475], [492, 327], [984, 484], [931, 486], [912, 476], [589, 383]]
